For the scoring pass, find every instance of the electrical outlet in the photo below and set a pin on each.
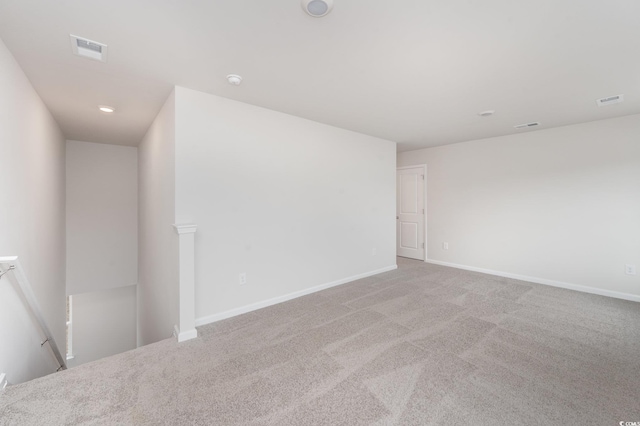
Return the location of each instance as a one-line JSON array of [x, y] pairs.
[[445, 246], [630, 269], [242, 278], [373, 251]]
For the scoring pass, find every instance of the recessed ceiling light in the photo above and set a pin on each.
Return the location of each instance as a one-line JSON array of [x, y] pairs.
[[234, 79], [88, 48], [105, 108], [317, 8], [486, 113]]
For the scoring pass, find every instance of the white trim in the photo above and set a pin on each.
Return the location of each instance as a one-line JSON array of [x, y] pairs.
[[424, 184], [274, 301], [69, 351], [185, 228], [544, 281], [410, 167], [184, 336], [187, 281], [187, 335], [424, 189]]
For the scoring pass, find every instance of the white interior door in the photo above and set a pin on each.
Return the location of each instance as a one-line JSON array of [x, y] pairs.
[[410, 212]]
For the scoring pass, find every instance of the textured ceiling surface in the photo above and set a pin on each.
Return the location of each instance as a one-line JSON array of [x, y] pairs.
[[414, 72]]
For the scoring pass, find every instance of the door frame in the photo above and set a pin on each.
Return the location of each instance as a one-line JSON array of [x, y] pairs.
[[424, 188]]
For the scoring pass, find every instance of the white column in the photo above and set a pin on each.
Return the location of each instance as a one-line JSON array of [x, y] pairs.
[[187, 327]]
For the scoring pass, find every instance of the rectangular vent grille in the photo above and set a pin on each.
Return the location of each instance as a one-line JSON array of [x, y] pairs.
[[523, 126], [88, 48], [610, 100], [86, 44]]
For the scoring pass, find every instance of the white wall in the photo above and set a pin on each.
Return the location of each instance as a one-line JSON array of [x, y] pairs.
[[104, 324], [32, 224], [158, 243], [102, 216], [560, 204], [293, 203], [21, 356]]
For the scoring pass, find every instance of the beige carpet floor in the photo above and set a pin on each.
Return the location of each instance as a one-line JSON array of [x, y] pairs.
[[421, 345]]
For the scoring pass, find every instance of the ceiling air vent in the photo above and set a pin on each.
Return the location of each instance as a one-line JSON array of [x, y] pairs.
[[610, 100], [88, 48], [526, 125]]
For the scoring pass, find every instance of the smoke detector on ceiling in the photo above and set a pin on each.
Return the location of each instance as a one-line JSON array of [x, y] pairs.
[[317, 8], [88, 48], [527, 125], [610, 100]]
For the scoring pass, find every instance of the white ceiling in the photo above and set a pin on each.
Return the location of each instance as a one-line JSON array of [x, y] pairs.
[[413, 71]]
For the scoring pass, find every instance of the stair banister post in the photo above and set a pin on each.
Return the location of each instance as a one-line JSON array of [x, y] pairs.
[[186, 252]]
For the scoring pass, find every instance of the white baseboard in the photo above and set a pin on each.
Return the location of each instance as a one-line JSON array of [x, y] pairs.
[[187, 335], [576, 287], [274, 301], [183, 336]]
